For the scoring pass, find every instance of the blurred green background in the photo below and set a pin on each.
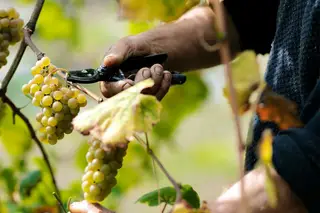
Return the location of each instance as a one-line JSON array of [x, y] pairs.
[[195, 139]]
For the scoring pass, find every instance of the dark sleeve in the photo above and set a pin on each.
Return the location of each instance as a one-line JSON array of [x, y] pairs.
[[296, 155], [255, 21]]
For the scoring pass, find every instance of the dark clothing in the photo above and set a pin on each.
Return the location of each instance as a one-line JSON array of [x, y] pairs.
[[290, 30]]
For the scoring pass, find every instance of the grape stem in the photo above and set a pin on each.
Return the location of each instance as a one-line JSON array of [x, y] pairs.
[[225, 55], [29, 28], [176, 185], [59, 201]]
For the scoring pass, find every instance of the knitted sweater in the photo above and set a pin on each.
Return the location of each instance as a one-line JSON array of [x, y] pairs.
[[293, 39]]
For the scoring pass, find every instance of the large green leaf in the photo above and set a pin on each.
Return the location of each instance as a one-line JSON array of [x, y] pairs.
[[168, 195], [180, 102], [14, 133], [117, 119]]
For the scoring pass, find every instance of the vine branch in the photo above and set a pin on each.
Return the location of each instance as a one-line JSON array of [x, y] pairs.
[[226, 59], [29, 28], [163, 169]]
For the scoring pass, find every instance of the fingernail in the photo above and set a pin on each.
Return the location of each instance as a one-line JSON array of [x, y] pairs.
[[158, 70], [109, 60], [167, 77], [146, 73]]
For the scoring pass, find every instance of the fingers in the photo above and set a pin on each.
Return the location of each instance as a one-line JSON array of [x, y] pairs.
[[156, 73], [165, 85], [109, 89], [125, 48], [85, 207]]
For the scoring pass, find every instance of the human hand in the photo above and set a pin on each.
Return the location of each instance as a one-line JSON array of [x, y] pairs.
[[256, 196], [85, 207], [162, 82]]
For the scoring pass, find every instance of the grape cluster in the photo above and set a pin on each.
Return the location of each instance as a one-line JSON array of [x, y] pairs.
[[59, 104], [100, 173], [10, 32]]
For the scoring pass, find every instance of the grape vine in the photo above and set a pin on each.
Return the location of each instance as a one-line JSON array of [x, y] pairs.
[[59, 104]]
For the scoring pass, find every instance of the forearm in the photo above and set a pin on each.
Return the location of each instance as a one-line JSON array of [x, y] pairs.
[[181, 40]]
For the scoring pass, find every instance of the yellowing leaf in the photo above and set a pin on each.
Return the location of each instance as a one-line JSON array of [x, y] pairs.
[[246, 79], [265, 149], [118, 118], [182, 207], [147, 10], [271, 189]]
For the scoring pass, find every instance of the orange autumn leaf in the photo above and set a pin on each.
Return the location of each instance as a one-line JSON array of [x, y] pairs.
[[276, 108]]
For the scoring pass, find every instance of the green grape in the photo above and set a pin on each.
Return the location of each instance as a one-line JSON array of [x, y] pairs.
[[95, 144], [47, 111], [96, 164], [34, 88], [52, 121], [35, 102], [89, 157], [74, 111], [25, 89], [4, 44], [39, 116], [47, 100], [39, 64], [38, 78], [81, 99], [70, 93], [45, 61], [12, 13], [47, 80], [3, 56], [99, 153], [59, 116], [52, 139], [73, 103], [3, 13], [38, 95], [106, 169], [57, 106], [98, 176], [4, 22], [115, 165], [46, 89], [68, 130], [50, 129], [44, 120], [54, 80], [64, 99], [88, 177], [57, 95], [75, 92], [64, 90], [94, 190], [86, 186]]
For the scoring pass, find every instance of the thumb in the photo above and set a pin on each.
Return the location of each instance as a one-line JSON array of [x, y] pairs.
[[118, 52]]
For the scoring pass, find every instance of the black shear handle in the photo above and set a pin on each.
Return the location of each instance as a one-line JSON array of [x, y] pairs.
[[138, 62]]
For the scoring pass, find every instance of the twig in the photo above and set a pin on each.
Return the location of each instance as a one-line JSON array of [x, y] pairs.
[[33, 47], [156, 159], [164, 207], [226, 58], [17, 111], [88, 92], [59, 201]]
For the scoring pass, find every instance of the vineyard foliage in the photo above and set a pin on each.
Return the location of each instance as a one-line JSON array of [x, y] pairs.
[[104, 167]]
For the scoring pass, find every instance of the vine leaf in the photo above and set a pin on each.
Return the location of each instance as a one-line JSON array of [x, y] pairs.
[[265, 153], [276, 108], [168, 195], [246, 76], [28, 183], [117, 119], [8, 176]]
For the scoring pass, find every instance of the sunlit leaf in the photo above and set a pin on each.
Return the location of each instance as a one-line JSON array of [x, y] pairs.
[[168, 195], [246, 79], [9, 178], [265, 148], [118, 118], [270, 188], [186, 99], [53, 12], [29, 182], [13, 132], [276, 108], [164, 10]]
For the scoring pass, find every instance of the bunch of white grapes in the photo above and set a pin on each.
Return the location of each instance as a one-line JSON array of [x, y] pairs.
[[100, 173], [10, 32], [59, 104]]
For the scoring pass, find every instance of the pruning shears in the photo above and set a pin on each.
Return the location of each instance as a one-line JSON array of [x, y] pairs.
[[128, 69]]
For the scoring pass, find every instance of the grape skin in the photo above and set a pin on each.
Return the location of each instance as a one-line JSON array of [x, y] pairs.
[[48, 93], [100, 174]]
